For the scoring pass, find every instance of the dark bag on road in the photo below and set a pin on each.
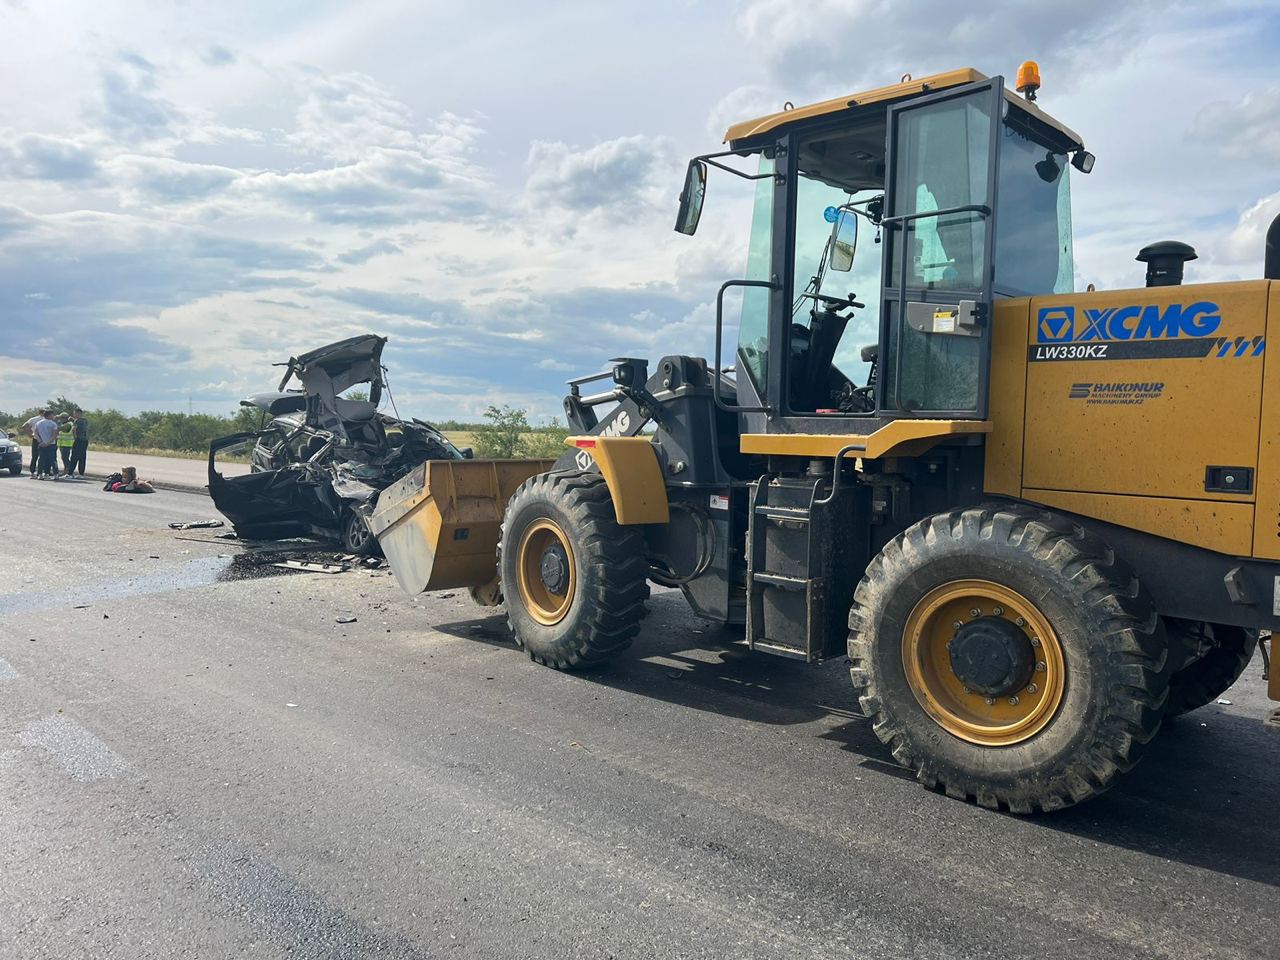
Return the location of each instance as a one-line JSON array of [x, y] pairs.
[[112, 480]]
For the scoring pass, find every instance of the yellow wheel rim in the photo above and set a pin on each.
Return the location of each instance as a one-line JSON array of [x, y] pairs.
[[546, 571], [982, 718]]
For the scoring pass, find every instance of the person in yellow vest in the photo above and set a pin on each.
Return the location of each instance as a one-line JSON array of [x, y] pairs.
[[66, 440]]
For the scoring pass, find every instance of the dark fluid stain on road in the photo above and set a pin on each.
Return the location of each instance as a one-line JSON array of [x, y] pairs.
[[200, 572], [294, 917]]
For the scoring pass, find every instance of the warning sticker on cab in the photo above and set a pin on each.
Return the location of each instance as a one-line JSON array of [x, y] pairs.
[[719, 502]]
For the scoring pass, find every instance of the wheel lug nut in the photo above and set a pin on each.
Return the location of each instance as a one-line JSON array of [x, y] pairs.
[[1013, 701], [989, 701], [1040, 666], [1020, 622], [958, 624], [975, 612], [996, 611], [1032, 688], [1035, 641]]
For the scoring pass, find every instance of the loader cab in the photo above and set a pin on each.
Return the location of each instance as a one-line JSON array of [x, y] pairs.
[[884, 227]]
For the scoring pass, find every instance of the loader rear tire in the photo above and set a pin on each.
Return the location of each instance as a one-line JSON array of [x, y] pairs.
[[960, 601], [574, 580], [1204, 680]]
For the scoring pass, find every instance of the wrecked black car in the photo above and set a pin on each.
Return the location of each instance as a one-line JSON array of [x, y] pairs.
[[323, 451]]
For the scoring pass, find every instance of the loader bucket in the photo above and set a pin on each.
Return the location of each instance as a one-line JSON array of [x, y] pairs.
[[439, 525]]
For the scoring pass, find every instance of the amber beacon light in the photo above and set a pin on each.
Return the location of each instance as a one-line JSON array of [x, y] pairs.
[[1029, 79]]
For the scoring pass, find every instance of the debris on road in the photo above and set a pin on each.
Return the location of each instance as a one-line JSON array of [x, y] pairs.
[[314, 567], [1224, 700], [345, 619], [195, 524]]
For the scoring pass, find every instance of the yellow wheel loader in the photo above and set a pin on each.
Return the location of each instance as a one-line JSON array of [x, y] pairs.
[[1036, 521]]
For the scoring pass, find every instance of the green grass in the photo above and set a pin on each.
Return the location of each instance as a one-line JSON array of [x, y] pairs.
[[158, 452]]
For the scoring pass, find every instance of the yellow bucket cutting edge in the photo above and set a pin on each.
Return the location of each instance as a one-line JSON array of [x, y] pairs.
[[439, 525]]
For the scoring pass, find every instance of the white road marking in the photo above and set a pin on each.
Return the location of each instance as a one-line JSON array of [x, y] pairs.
[[78, 751]]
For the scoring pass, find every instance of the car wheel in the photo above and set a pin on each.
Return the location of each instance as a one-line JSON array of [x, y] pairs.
[[356, 537]]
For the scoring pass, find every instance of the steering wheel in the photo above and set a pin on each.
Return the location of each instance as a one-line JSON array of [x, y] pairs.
[[837, 303]]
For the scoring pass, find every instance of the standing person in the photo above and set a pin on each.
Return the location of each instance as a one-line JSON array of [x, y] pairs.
[[46, 435], [81, 444], [28, 430], [66, 438]]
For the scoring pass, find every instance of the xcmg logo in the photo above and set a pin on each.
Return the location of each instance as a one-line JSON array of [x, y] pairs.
[[1132, 322]]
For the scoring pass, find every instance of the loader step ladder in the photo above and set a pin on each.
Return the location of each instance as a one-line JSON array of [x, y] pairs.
[[788, 578]]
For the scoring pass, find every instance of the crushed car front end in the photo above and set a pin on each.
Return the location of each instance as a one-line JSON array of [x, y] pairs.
[[320, 459]]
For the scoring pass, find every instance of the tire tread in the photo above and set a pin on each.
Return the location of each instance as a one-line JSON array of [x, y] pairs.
[[1135, 699]]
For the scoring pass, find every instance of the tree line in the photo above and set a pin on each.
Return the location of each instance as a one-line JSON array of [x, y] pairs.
[[505, 432]]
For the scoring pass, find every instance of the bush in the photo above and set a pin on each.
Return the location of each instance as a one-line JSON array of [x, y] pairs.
[[545, 443], [499, 439], [508, 435]]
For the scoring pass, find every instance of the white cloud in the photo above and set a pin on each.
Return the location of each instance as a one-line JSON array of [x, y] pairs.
[[165, 180], [1245, 244], [243, 182], [130, 107], [34, 156], [1244, 129], [817, 43], [615, 173]]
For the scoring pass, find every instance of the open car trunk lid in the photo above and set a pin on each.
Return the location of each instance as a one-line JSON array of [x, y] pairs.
[[326, 372]]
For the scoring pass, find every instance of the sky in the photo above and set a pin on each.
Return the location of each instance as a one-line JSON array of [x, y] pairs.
[[191, 192]]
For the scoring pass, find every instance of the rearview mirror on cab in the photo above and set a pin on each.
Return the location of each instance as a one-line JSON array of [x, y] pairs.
[[844, 241], [691, 197]]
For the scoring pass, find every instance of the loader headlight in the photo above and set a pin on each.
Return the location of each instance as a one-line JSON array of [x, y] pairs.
[[1082, 160]]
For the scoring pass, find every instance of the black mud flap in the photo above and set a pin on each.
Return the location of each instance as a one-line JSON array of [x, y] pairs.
[[272, 504]]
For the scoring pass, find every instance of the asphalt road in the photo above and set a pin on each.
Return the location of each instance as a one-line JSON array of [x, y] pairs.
[[198, 760], [179, 472]]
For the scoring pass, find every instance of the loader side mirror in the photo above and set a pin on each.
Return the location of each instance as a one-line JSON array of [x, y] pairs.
[[844, 241], [691, 197]]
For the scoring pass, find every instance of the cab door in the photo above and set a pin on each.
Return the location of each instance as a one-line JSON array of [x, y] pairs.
[[943, 152]]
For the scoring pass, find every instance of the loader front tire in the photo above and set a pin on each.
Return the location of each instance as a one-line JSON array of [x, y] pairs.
[[1008, 657], [574, 580]]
